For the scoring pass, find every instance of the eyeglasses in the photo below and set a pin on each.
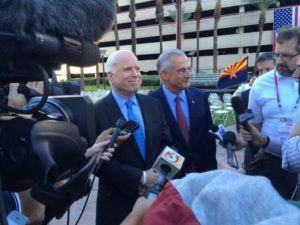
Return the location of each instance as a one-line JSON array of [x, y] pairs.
[[183, 71], [284, 56]]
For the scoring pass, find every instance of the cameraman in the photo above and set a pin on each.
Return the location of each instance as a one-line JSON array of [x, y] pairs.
[[34, 210]]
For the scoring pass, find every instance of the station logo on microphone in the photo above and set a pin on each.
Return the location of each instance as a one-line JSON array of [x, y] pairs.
[[173, 157]]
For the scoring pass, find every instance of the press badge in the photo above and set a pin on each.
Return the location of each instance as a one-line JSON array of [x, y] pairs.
[[285, 123]]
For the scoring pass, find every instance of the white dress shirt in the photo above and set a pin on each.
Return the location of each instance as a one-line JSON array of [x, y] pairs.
[[263, 103]]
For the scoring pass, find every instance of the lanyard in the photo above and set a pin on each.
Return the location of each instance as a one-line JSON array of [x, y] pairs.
[[278, 97]]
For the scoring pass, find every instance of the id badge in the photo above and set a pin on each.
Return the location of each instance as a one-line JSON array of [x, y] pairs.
[[285, 123]]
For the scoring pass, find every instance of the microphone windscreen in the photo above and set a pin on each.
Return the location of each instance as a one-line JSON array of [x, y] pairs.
[[214, 128], [229, 137], [79, 19], [238, 105]]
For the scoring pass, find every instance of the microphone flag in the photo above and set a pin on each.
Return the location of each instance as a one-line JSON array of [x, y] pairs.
[[234, 74]]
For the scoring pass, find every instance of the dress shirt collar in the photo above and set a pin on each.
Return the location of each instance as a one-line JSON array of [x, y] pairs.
[[122, 101], [171, 96]]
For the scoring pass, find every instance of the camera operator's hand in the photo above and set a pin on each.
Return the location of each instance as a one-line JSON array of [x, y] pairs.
[[253, 136], [106, 135], [98, 148]]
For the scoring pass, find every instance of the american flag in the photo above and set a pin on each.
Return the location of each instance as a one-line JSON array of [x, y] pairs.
[[286, 17]]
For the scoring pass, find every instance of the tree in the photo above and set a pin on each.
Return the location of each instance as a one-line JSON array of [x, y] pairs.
[[184, 16], [82, 79], [68, 72], [132, 16], [263, 6], [197, 17], [217, 16], [159, 13], [116, 32]]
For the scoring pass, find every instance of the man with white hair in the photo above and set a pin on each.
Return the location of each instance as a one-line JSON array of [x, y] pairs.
[[129, 172], [187, 113]]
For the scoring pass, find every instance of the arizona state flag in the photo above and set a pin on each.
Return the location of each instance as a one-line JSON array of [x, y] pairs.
[[234, 74]]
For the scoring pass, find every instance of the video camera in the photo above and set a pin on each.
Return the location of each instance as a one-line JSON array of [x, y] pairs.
[[45, 141]]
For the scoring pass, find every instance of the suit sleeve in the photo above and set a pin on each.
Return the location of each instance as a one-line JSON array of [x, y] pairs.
[[211, 142]]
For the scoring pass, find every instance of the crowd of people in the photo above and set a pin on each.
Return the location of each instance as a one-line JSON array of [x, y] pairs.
[[178, 115]]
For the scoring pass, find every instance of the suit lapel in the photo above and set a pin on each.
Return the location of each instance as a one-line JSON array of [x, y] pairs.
[[172, 122], [146, 113], [193, 109]]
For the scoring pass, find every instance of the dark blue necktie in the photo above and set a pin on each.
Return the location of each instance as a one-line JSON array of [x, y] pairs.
[[138, 134]]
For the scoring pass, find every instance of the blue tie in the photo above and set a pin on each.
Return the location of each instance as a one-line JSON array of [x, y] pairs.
[[138, 134]]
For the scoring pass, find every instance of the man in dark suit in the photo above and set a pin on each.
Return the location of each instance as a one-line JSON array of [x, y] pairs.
[[187, 112], [129, 172]]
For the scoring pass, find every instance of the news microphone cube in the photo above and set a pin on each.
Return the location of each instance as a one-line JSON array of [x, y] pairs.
[[170, 158]]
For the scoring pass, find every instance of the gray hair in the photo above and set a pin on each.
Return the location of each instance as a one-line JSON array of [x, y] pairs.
[[289, 34], [113, 59], [163, 61]]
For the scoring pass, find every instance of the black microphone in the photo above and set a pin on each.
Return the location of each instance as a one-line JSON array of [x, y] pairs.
[[167, 164], [214, 128], [218, 132], [48, 30], [241, 114], [122, 127], [229, 139], [61, 50]]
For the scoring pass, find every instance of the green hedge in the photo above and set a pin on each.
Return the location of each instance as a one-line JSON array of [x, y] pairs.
[[148, 80]]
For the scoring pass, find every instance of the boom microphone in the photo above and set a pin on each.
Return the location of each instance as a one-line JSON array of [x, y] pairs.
[[167, 164], [78, 19], [62, 50], [229, 139], [57, 31]]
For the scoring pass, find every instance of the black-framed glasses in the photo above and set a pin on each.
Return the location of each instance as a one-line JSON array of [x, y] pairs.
[[183, 71], [284, 56]]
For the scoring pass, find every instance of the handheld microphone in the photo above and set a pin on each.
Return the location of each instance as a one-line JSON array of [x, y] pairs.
[[61, 49], [122, 127], [167, 164], [241, 114], [218, 132], [229, 139]]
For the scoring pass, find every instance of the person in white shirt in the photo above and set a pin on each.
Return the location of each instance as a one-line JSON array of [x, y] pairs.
[[274, 101], [244, 87], [291, 148]]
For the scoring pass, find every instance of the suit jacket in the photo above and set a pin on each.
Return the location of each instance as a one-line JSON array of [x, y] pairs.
[[120, 177], [202, 148]]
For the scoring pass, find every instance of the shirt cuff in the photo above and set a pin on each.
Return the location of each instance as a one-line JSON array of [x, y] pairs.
[[144, 178]]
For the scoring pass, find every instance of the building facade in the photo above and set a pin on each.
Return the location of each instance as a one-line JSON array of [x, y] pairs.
[[237, 32]]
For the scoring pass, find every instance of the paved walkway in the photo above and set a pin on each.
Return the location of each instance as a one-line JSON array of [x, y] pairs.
[[89, 215]]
